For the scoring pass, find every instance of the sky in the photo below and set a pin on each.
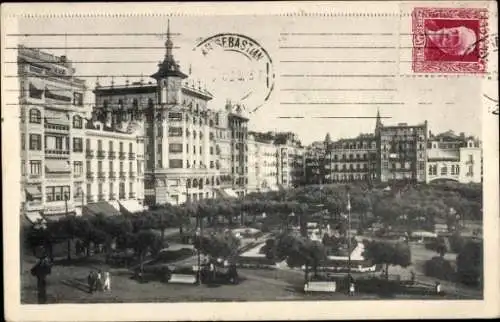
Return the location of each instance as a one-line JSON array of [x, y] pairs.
[[363, 65]]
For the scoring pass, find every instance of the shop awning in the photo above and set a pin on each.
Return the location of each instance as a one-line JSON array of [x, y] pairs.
[[53, 117], [57, 166], [33, 191], [115, 204], [231, 193], [101, 207], [131, 206], [35, 217]]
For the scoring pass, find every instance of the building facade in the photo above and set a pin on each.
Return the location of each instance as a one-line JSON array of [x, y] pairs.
[[401, 151], [454, 157], [352, 159], [115, 164], [52, 113], [191, 152]]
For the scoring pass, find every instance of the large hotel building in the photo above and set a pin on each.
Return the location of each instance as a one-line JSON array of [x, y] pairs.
[[191, 152]]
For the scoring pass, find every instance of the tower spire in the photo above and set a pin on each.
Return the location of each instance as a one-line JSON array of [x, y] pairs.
[[378, 123], [168, 44]]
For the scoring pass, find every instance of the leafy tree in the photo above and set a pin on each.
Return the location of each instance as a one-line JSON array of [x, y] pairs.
[[217, 245], [145, 242], [387, 253]]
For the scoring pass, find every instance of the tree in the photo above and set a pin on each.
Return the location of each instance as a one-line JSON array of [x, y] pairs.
[[387, 253], [218, 245], [145, 241], [301, 252]]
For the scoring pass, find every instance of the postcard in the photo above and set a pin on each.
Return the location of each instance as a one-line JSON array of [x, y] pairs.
[[249, 161]]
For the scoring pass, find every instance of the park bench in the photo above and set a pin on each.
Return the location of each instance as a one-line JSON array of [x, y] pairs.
[[182, 279], [320, 286]]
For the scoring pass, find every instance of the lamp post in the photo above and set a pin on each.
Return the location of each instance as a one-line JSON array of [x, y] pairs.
[[66, 197], [349, 233]]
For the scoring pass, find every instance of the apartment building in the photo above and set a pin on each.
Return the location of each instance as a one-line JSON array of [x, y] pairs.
[[352, 159], [401, 151], [52, 114], [115, 164]]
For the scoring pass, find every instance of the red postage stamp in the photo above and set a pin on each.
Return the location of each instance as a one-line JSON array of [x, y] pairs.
[[450, 40]]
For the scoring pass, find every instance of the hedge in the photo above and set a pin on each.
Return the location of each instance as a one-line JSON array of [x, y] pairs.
[[439, 268]]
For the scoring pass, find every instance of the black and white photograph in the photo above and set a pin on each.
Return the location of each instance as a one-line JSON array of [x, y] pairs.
[[345, 155]]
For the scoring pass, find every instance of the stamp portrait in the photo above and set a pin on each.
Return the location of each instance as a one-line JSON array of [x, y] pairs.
[[450, 40]]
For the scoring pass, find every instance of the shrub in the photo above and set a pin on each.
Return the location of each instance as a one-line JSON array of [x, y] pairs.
[[470, 264], [457, 242], [440, 268]]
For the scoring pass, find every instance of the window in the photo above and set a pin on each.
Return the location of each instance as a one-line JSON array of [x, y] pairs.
[[111, 190], [35, 142], [130, 148], [110, 146], [35, 92], [89, 189], [211, 150], [35, 116], [201, 149], [444, 170], [78, 99], [175, 147], [175, 116], [77, 145], [87, 144], [23, 141], [105, 103], [121, 146], [175, 163], [77, 168], [211, 164], [194, 149], [175, 131], [77, 122], [35, 167], [57, 193], [457, 169], [110, 166]]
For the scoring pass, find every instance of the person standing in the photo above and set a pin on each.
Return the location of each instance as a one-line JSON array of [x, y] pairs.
[[41, 270], [438, 288], [107, 282]]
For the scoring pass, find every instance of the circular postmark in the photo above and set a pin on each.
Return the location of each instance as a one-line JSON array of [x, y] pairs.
[[237, 68]]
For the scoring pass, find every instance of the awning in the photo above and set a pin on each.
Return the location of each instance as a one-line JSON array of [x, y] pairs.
[[221, 193], [101, 207], [33, 191], [54, 117], [231, 193], [58, 93], [35, 217], [57, 166], [131, 206], [115, 204], [38, 84]]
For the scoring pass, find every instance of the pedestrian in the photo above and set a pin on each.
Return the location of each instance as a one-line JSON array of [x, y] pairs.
[[99, 280], [91, 279], [412, 277], [107, 282], [351, 289], [438, 288]]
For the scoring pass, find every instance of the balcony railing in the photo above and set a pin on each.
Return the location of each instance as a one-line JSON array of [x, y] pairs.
[[121, 196], [112, 196], [90, 175], [131, 195], [89, 153], [112, 175], [131, 156], [101, 175], [101, 154], [123, 155], [131, 174], [90, 198], [111, 154], [55, 127], [122, 175], [59, 153], [100, 197]]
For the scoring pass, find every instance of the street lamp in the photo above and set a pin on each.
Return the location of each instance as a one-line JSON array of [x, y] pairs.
[[349, 232]]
